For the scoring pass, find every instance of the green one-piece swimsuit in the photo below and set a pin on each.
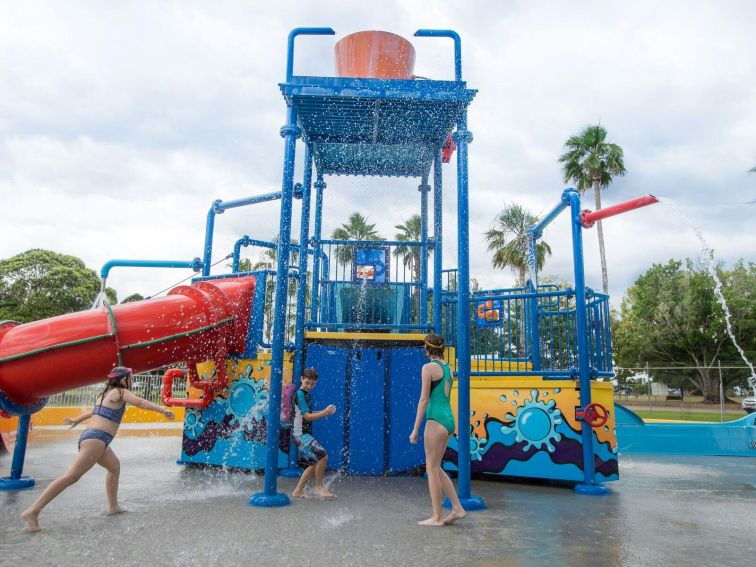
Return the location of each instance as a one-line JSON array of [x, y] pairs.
[[439, 407]]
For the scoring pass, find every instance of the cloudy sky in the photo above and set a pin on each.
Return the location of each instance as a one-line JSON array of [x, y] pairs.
[[120, 123]]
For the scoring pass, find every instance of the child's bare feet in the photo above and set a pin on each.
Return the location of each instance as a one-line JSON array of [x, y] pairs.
[[431, 522], [115, 510], [324, 493], [299, 494], [30, 518], [454, 516]]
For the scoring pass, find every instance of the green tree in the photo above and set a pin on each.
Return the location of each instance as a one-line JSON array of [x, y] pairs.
[[37, 284], [409, 231], [133, 297], [670, 317], [508, 240], [591, 161], [356, 228]]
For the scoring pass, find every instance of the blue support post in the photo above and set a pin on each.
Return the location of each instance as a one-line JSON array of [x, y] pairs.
[[462, 137], [589, 486], [304, 234], [269, 497], [535, 351], [437, 243], [314, 294], [16, 480], [424, 189]]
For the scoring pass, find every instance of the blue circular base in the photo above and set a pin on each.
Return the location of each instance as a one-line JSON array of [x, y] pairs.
[[472, 504], [262, 500], [290, 473], [591, 489], [8, 483]]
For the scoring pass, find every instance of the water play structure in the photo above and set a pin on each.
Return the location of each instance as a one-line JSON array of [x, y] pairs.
[[526, 359]]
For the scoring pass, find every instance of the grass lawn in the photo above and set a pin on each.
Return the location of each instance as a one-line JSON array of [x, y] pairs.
[[688, 415]]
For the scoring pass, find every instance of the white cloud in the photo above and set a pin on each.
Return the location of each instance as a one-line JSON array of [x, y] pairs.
[[121, 123]]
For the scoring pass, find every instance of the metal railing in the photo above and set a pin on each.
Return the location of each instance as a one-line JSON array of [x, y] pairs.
[[146, 385], [371, 285], [505, 324]]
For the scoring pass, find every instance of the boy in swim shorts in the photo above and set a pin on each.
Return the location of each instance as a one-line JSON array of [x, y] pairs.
[[311, 455]]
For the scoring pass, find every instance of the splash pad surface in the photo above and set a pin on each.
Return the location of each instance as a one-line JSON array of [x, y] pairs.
[[664, 510]]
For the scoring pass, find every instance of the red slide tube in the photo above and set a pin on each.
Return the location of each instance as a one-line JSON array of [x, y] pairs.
[[208, 320], [587, 218]]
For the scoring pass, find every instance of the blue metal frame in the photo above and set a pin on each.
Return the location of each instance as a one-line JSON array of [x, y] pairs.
[[270, 497], [424, 189], [218, 208], [437, 243], [196, 264], [17, 480], [347, 130]]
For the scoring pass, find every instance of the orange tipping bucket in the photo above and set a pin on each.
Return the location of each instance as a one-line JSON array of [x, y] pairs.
[[375, 54]]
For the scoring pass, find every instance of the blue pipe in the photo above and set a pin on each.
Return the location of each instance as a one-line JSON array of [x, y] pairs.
[[255, 329], [207, 250], [304, 235], [290, 49], [292, 469], [571, 198], [462, 137], [195, 265], [270, 497], [376, 242], [535, 351], [218, 208], [457, 47], [16, 480], [537, 229], [424, 189], [247, 241], [438, 243], [222, 206], [314, 297]]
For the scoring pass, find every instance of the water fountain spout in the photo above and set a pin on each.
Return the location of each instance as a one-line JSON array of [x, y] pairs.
[[587, 218]]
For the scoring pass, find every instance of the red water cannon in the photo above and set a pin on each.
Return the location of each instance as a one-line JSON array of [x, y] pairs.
[[208, 387], [587, 217], [594, 415]]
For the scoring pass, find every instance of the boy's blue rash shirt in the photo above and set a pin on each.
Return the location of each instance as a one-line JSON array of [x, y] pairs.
[[302, 405]]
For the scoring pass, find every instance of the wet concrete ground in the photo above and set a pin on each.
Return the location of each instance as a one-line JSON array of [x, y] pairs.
[[665, 511]]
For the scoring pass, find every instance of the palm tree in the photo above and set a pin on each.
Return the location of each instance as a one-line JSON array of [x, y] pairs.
[[508, 240], [590, 161], [409, 232], [356, 228]]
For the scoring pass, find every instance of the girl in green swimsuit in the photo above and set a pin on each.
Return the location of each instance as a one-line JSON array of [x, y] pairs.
[[439, 427]]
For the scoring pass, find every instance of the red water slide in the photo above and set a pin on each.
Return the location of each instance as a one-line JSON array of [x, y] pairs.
[[207, 320]]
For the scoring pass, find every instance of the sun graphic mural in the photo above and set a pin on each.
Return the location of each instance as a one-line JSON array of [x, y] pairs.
[[193, 424], [534, 422], [247, 397]]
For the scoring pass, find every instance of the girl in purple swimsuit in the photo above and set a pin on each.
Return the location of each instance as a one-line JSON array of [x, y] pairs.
[[94, 443]]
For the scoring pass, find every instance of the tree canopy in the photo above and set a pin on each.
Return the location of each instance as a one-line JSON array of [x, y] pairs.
[[508, 240], [356, 228], [591, 161], [671, 317], [37, 284]]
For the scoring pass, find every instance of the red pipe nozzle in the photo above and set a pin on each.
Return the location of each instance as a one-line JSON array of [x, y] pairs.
[[587, 217]]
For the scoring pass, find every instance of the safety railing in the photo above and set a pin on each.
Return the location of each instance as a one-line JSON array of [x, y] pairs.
[[146, 385], [505, 324], [371, 285]]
